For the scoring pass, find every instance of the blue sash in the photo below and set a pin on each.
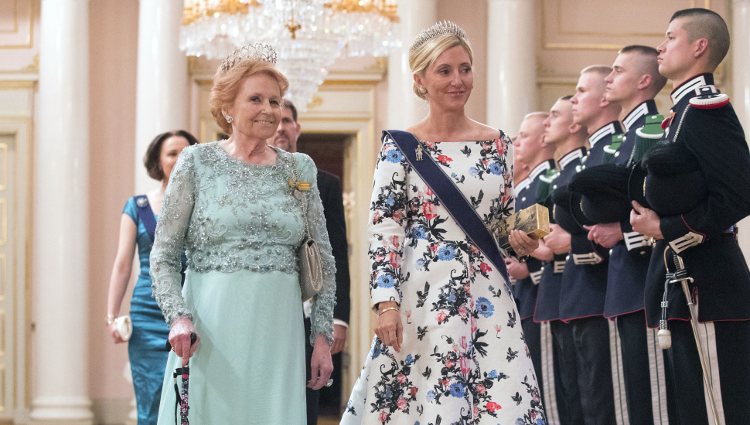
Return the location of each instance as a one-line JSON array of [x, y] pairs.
[[146, 215], [454, 201]]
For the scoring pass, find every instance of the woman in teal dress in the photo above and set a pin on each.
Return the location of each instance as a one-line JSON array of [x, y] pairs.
[[235, 207], [137, 225]]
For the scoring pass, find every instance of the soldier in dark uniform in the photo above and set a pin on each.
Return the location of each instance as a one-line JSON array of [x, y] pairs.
[[584, 281], [558, 362], [531, 150], [694, 203], [632, 84]]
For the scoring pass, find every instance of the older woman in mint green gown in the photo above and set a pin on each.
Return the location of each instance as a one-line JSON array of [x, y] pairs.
[[231, 206]]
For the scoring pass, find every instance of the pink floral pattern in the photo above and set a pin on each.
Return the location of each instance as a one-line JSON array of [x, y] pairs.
[[463, 359]]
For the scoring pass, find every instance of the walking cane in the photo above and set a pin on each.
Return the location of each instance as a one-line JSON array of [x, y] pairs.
[[665, 341]]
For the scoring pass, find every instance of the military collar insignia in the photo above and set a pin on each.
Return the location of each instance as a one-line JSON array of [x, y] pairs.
[[521, 186], [689, 86], [614, 146], [539, 169], [606, 130], [708, 97], [645, 108], [571, 156], [550, 175]]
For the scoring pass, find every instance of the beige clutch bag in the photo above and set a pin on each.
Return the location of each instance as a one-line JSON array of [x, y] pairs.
[[533, 220], [124, 327]]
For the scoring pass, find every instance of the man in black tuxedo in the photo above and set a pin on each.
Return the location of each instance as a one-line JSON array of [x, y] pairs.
[[329, 186]]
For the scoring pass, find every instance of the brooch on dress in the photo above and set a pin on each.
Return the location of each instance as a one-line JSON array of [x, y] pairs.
[[299, 185], [418, 152]]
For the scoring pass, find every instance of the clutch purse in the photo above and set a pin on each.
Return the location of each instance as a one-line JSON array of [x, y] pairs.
[[310, 270], [308, 254], [124, 327], [533, 220]]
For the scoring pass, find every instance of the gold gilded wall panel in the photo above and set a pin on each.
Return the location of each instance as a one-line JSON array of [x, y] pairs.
[[16, 23], [3, 276]]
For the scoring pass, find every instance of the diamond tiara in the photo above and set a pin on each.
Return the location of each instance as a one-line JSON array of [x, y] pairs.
[[438, 28], [257, 51]]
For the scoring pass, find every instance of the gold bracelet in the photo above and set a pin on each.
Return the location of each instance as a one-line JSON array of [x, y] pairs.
[[380, 312]]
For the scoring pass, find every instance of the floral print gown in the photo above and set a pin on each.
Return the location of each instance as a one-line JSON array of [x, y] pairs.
[[463, 359]]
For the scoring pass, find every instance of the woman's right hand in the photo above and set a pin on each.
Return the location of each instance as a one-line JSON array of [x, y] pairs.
[[179, 338], [115, 335], [390, 330]]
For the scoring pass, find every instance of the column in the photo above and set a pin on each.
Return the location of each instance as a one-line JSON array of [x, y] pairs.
[[404, 107], [60, 256], [511, 62], [741, 86], [162, 85]]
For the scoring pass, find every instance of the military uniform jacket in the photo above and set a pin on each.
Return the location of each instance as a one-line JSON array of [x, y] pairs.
[[548, 292], [704, 237], [629, 259], [532, 190], [584, 281]]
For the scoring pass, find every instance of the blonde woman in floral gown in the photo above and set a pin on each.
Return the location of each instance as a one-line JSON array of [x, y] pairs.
[[449, 345]]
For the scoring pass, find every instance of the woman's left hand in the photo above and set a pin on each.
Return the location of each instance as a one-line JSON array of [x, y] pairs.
[[522, 243], [321, 364]]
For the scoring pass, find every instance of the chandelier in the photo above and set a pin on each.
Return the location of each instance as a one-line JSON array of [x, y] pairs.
[[309, 35]]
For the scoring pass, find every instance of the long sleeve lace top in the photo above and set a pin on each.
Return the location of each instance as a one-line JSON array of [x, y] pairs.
[[227, 215]]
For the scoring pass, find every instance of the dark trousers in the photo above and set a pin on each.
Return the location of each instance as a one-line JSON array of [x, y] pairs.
[[532, 333], [635, 367], [591, 338], [312, 397], [732, 353], [566, 377]]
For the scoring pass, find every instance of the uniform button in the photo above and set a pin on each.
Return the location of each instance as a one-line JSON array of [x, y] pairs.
[[617, 154], [523, 199], [611, 251]]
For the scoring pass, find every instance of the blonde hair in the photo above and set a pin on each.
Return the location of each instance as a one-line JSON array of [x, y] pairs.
[[227, 84], [422, 56]]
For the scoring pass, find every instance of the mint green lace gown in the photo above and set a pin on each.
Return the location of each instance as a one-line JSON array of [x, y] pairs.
[[240, 225]]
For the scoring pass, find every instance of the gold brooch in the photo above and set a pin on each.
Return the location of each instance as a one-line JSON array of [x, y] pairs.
[[299, 185]]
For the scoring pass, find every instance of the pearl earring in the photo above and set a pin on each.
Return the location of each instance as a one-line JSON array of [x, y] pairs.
[[229, 119]]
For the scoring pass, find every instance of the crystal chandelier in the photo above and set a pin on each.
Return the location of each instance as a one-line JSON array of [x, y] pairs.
[[309, 35]]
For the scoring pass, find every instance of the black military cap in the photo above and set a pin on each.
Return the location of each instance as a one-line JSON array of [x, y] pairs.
[[604, 191], [675, 183], [567, 210]]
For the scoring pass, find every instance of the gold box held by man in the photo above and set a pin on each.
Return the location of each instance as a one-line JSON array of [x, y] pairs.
[[533, 220]]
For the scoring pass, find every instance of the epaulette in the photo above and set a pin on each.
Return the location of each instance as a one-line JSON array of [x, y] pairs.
[[709, 98], [549, 176]]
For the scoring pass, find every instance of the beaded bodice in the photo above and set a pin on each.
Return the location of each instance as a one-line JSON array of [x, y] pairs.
[[229, 215]]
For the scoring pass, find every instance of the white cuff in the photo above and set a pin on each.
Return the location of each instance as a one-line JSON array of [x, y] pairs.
[[340, 322]]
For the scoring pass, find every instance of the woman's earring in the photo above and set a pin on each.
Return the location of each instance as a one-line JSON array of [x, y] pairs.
[[229, 119]]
